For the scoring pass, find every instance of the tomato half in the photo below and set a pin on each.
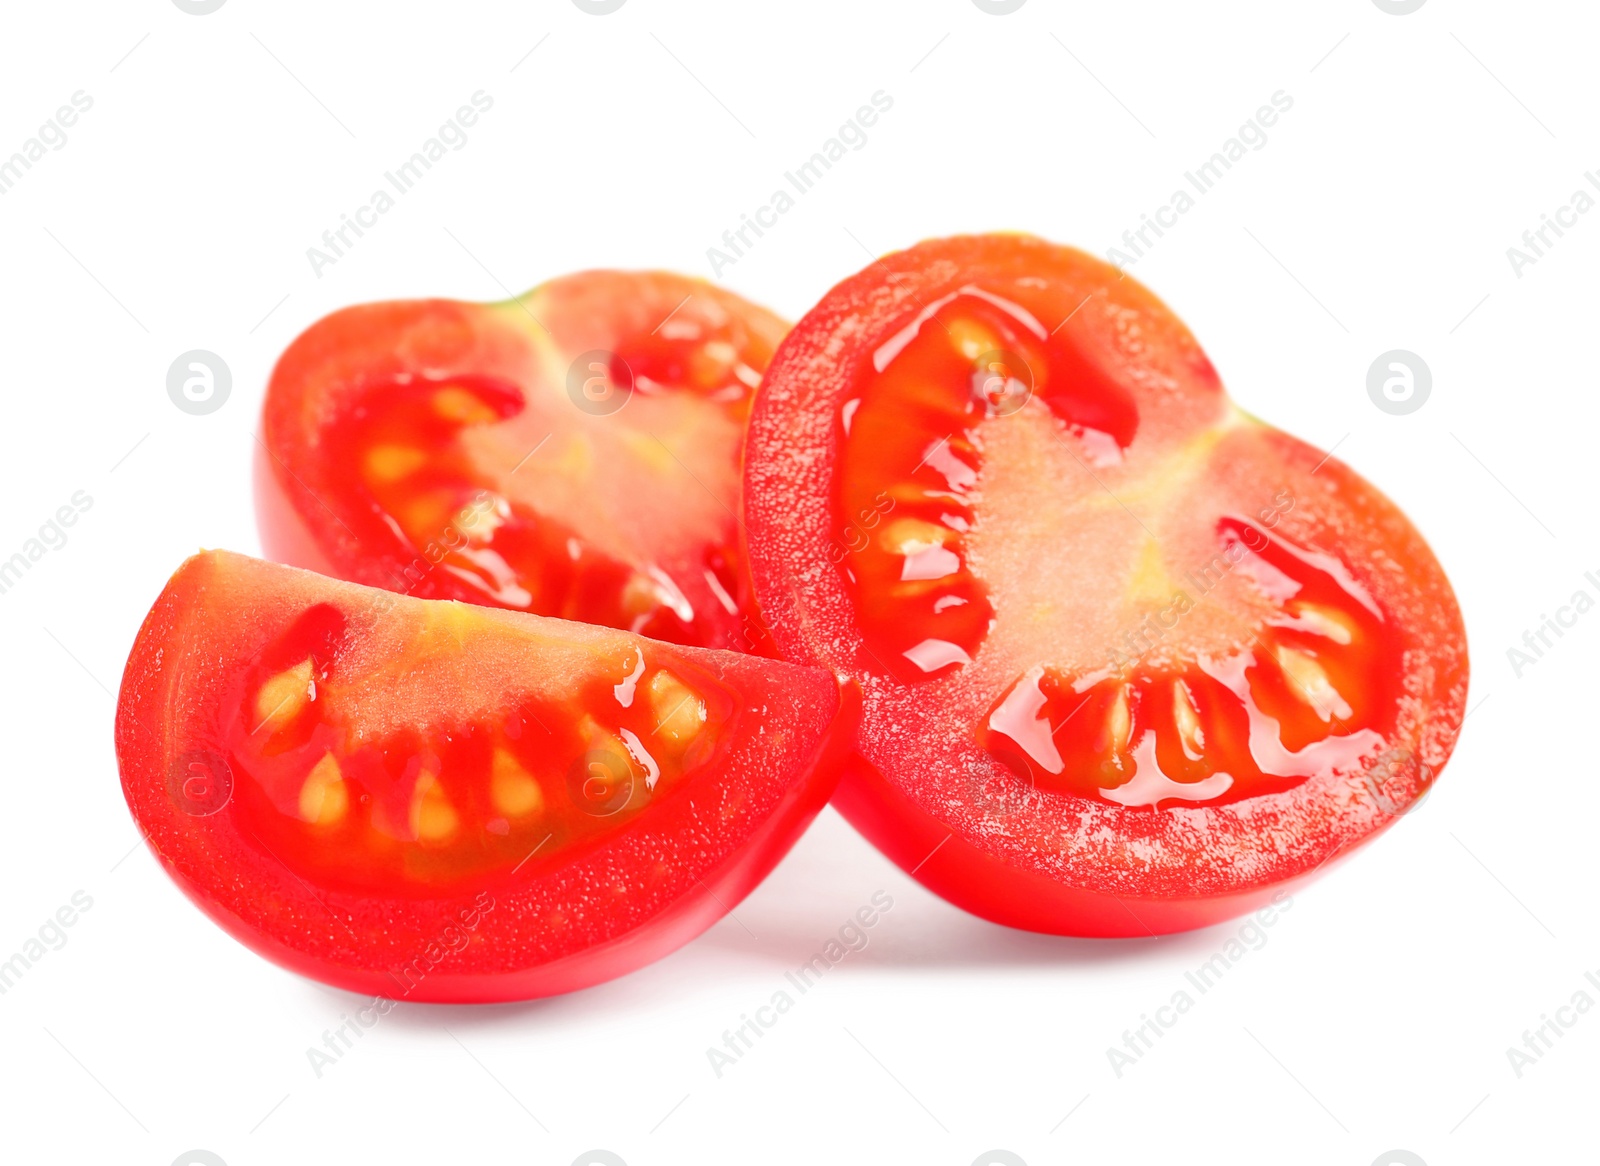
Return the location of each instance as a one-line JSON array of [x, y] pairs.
[[438, 801], [571, 452], [1131, 659]]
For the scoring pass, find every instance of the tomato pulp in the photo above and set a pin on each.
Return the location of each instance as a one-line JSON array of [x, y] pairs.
[[430, 800], [571, 452], [1131, 659]]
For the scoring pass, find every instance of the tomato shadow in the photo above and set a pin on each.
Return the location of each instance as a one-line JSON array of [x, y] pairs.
[[805, 921], [811, 911]]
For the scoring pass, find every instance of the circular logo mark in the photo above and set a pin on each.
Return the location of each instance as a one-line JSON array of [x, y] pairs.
[[200, 783], [1399, 382], [998, 1158], [199, 382], [994, 788], [199, 8], [600, 782], [998, 7], [1399, 1157], [599, 1157], [599, 382], [599, 8], [1385, 769], [1398, 8], [1002, 382]]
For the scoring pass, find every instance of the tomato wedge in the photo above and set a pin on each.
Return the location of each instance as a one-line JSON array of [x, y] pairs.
[[438, 801], [1131, 659], [570, 452]]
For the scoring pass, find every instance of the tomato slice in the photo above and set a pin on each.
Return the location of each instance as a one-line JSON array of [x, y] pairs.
[[438, 801], [1131, 659], [571, 452]]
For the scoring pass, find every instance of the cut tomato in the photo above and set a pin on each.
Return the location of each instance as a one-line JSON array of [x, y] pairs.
[[1131, 659], [571, 452], [436, 801]]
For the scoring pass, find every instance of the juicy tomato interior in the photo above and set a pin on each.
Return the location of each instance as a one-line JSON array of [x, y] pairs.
[[572, 453], [913, 445], [452, 799], [1315, 690], [408, 452], [1111, 631], [1310, 688]]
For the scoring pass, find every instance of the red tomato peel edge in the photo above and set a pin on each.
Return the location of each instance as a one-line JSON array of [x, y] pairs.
[[570, 452], [434, 801], [1131, 660]]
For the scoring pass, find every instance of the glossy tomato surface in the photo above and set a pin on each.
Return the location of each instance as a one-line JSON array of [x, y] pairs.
[[1131, 659], [430, 800], [572, 452]]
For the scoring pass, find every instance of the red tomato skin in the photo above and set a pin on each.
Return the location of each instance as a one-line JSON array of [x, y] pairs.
[[805, 606], [980, 883], [144, 752], [302, 519], [354, 345]]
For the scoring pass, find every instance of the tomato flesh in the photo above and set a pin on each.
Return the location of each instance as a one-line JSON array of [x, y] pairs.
[[573, 452], [1130, 658], [453, 799], [1314, 692], [331, 772]]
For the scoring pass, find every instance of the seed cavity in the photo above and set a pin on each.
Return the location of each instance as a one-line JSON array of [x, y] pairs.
[[680, 712], [1323, 621], [283, 696], [513, 790], [324, 797], [457, 404], [1119, 721], [433, 818], [972, 339], [1187, 718], [1310, 682], [389, 463]]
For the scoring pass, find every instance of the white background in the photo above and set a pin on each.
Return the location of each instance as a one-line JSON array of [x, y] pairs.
[[1378, 215]]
